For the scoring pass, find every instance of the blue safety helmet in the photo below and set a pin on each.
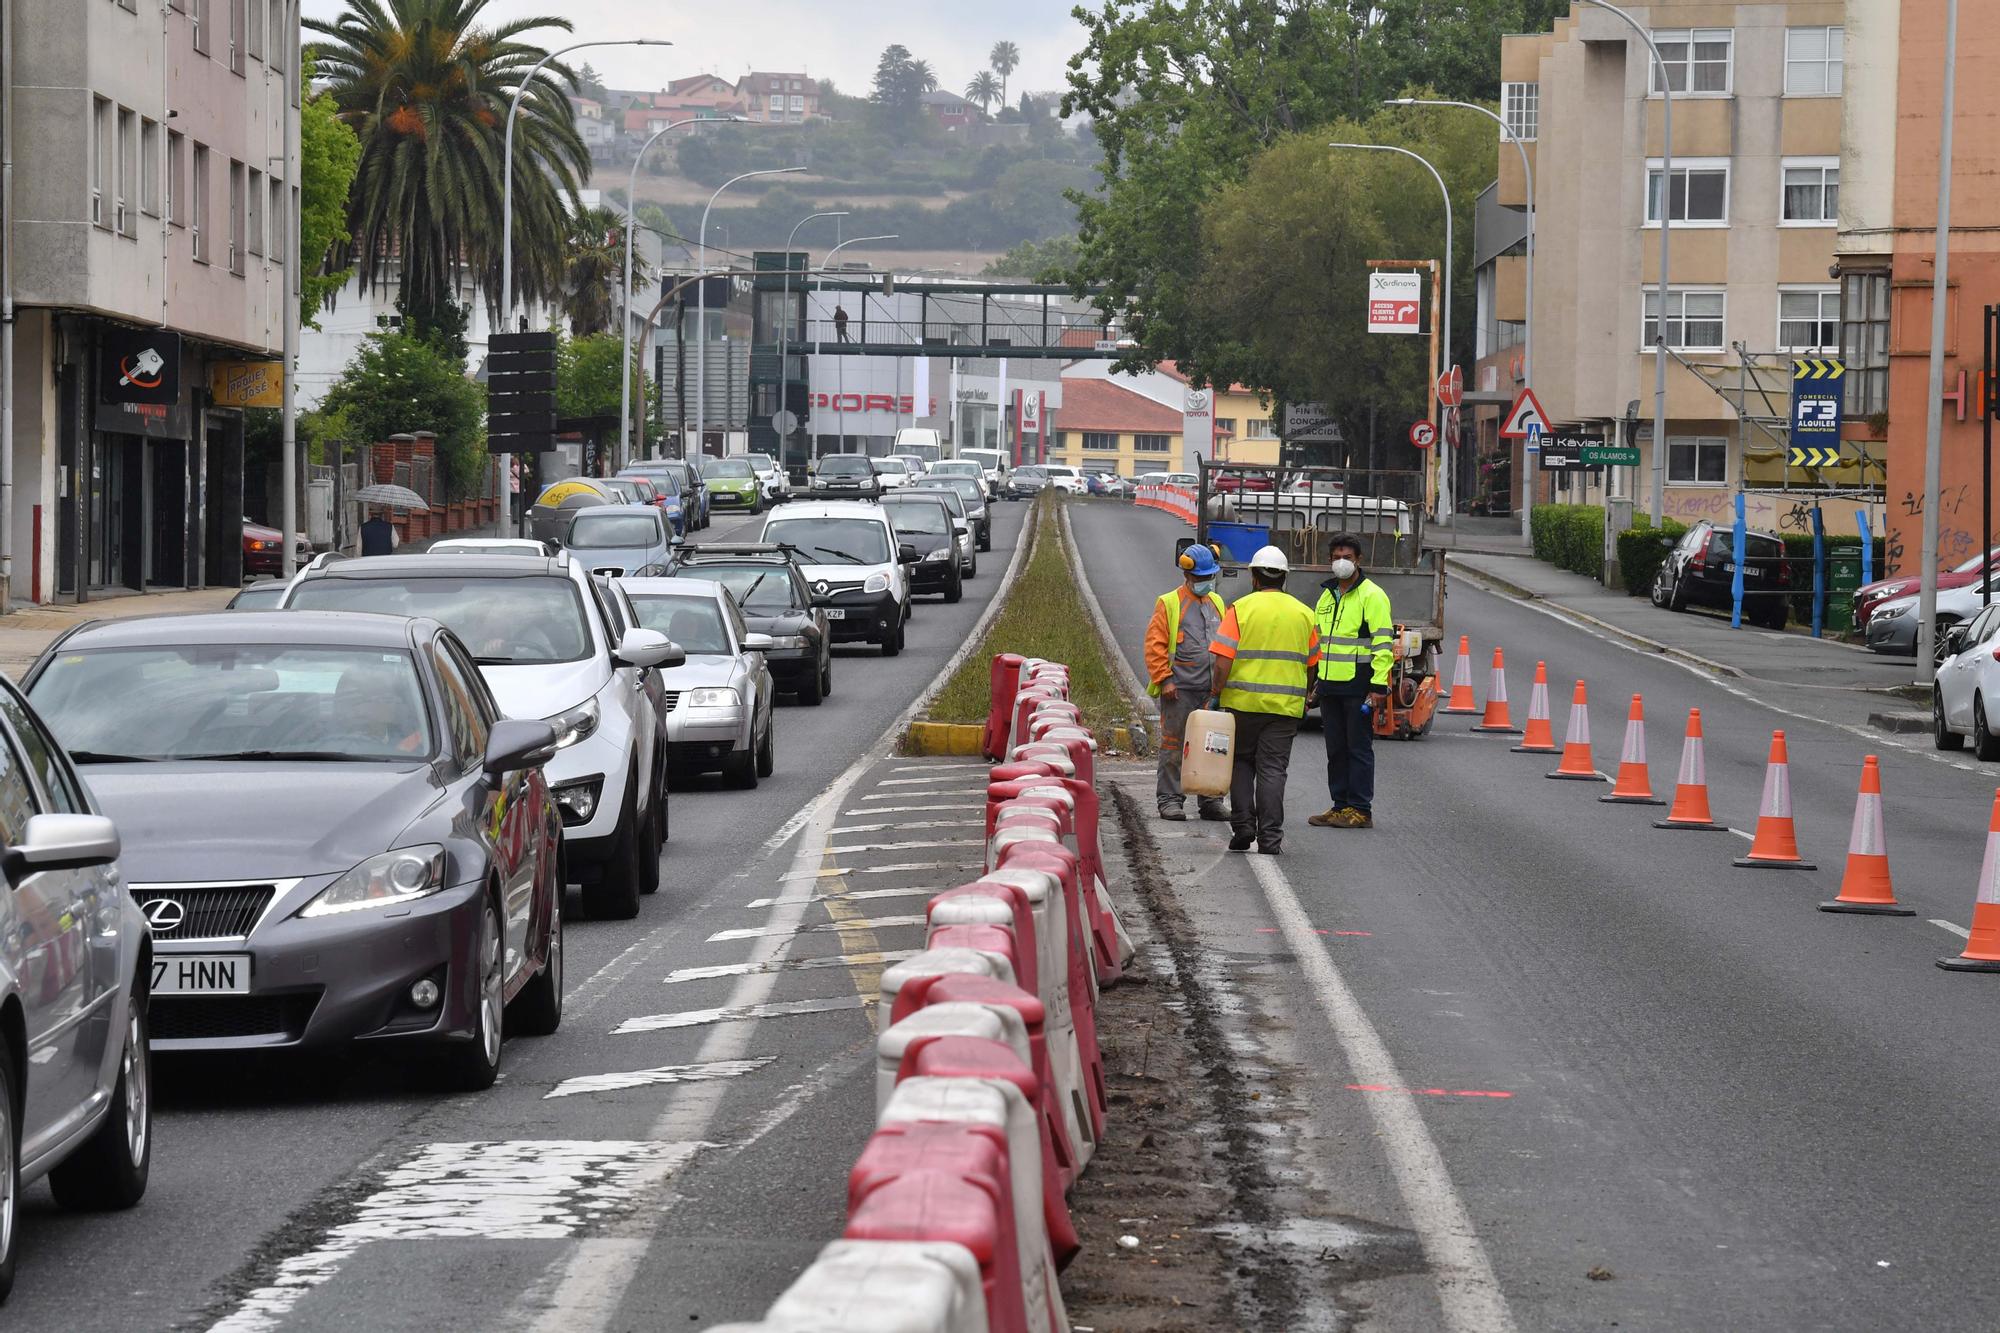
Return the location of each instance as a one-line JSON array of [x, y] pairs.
[[1199, 561]]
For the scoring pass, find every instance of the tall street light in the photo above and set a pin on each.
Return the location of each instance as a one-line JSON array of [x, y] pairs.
[[1445, 492], [701, 308], [507, 169], [1658, 504], [1528, 325], [819, 285], [785, 326], [625, 306], [1927, 589]]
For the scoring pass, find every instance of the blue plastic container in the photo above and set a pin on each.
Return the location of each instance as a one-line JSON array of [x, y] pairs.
[[1239, 541]]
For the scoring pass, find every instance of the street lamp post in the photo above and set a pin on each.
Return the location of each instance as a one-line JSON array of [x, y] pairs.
[[1927, 588], [1528, 324], [785, 326], [701, 307], [819, 285], [1445, 492], [507, 168]]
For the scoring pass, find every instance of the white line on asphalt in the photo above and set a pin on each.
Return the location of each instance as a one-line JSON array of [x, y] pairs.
[[919, 782], [906, 795], [787, 965], [1957, 930], [837, 872], [700, 1018], [642, 1078], [1468, 1291], [858, 896], [917, 809], [928, 846], [830, 927], [909, 824], [1747, 837], [931, 768]]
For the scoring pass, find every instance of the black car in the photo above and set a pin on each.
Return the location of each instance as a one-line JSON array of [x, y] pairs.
[[972, 491], [1025, 483], [770, 589], [925, 522], [1700, 570], [845, 477]]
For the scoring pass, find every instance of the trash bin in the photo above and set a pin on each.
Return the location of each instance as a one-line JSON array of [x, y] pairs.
[[1239, 541], [1843, 576]]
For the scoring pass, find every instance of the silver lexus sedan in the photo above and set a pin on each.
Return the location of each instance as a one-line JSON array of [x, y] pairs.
[[720, 701]]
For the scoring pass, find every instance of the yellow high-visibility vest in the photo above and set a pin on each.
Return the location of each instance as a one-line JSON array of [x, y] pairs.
[[1271, 636], [1355, 627], [1171, 601]]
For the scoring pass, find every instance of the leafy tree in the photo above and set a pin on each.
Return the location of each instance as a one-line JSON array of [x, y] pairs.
[[328, 156], [1005, 58], [426, 88], [984, 89], [398, 382], [587, 378], [590, 84], [1035, 261], [594, 271], [901, 80]]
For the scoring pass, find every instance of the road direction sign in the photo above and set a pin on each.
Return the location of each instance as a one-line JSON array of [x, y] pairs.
[[1618, 455], [1395, 302], [1819, 395], [1451, 387], [1567, 453], [1423, 434], [1311, 423], [1525, 413], [1812, 455]]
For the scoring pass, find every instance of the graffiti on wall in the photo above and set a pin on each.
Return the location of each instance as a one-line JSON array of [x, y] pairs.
[[1958, 528], [1772, 513]]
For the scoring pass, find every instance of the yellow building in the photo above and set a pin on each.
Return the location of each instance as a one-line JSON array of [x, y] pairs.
[[1106, 427], [1244, 429]]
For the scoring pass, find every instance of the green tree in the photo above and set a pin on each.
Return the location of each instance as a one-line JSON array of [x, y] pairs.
[[587, 378], [399, 382], [985, 90], [594, 271], [1005, 58], [589, 83], [1035, 261], [426, 88], [328, 156]]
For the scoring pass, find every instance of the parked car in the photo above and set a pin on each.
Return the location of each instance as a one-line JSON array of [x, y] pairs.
[[845, 477], [1966, 701], [527, 546], [1066, 479], [621, 540], [1025, 482], [1892, 628], [925, 524], [719, 700], [732, 484], [993, 466], [76, 971], [968, 542], [1967, 573], [263, 596], [1700, 570], [331, 832], [1113, 485], [673, 476], [855, 565], [697, 465], [971, 490], [657, 492], [770, 589], [549, 648], [264, 549], [776, 484], [893, 473]]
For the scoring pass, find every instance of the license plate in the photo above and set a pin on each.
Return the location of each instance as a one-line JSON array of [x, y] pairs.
[[1728, 567], [835, 613], [202, 974]]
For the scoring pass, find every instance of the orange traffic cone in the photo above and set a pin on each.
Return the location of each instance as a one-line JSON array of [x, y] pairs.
[[1776, 846], [1635, 781], [1498, 720], [1982, 948], [1577, 764], [1539, 738], [1865, 887], [1691, 793], [1461, 681]]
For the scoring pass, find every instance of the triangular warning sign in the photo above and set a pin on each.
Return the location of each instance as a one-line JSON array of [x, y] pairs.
[[1526, 412]]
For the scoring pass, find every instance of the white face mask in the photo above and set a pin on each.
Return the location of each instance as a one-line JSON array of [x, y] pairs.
[[1345, 569]]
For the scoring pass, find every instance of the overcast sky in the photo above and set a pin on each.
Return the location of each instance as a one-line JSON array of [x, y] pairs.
[[840, 39]]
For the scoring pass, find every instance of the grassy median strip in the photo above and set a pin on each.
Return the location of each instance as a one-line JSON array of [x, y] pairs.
[[1043, 616]]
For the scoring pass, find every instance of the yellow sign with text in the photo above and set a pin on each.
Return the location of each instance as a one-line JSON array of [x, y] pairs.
[[247, 384]]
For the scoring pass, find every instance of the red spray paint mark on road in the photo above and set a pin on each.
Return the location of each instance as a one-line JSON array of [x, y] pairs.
[[1272, 930], [1427, 1092]]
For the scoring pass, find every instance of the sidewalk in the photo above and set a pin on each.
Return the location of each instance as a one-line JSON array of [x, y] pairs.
[[25, 633], [1468, 532]]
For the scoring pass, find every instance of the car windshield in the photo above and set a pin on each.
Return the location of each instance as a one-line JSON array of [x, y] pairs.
[[895, 467], [235, 702], [765, 589], [693, 623], [261, 597], [955, 468], [953, 501], [844, 465], [762, 462], [1030, 472], [919, 516], [623, 488], [971, 493], [488, 548], [833, 541], [674, 474], [1973, 565], [738, 469], [504, 621], [599, 531]]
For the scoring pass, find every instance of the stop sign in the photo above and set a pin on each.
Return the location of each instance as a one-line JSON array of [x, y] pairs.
[[1451, 387], [1423, 434]]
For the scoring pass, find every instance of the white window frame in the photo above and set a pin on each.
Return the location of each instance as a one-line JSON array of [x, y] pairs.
[[1164, 445], [238, 217], [198, 203], [1834, 37], [198, 25], [149, 168], [1702, 444], [1823, 165], [103, 117], [1822, 291], [1683, 166], [1690, 37], [254, 195], [1259, 428], [1721, 320], [126, 162], [1521, 110]]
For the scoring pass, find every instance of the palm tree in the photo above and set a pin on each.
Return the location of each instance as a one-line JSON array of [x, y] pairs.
[[923, 79], [1005, 59], [983, 89], [426, 88], [594, 271]]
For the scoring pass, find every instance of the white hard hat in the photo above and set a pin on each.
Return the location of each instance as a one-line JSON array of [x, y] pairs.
[[1271, 558]]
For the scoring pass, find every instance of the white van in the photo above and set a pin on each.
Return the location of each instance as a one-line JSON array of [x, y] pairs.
[[919, 442], [992, 465], [854, 563]]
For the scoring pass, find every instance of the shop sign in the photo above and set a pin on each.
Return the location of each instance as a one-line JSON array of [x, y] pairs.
[[139, 366]]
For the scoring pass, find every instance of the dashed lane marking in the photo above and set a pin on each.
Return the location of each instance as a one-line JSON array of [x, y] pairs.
[[934, 768], [1427, 1092], [641, 1078], [875, 959], [1747, 837], [776, 932], [852, 896], [918, 782], [906, 795], [930, 846], [697, 1018], [835, 872], [917, 809], [905, 824], [1953, 927]]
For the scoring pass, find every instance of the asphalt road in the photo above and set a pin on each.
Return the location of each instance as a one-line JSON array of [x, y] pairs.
[[1700, 1103], [339, 1193]]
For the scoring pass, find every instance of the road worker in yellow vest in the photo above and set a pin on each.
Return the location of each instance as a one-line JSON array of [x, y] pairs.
[[1179, 670], [1357, 637], [1265, 656]]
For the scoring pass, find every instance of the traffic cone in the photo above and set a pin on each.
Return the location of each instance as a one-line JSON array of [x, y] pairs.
[[1498, 720], [1461, 681], [1691, 793], [1635, 781], [1865, 887], [1539, 738], [1776, 846], [1982, 948], [1577, 764]]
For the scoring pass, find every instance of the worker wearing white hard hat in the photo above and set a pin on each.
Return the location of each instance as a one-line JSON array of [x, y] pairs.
[[1265, 656]]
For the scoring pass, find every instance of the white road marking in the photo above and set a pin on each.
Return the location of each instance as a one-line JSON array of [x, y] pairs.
[[916, 809], [830, 927], [1468, 1291], [698, 1018], [860, 895], [904, 846], [906, 824], [641, 1078], [932, 768], [787, 965], [837, 871], [1747, 837], [1954, 928], [919, 782], [906, 795]]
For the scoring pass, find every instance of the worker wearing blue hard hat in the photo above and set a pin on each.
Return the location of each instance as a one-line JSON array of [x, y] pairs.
[[1179, 669]]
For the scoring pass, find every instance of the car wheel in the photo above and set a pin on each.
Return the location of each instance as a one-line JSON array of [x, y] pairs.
[[10, 1167], [110, 1170], [1942, 735], [1776, 620], [1677, 595], [614, 895], [894, 643], [666, 800], [756, 506], [1940, 653], [1984, 743], [972, 568], [955, 590], [537, 1010], [740, 769], [813, 692], [985, 542], [826, 678], [649, 847], [472, 1066], [1658, 594], [767, 753]]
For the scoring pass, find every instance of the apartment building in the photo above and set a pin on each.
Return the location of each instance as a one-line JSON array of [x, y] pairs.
[[1106, 427], [779, 98], [1755, 197], [154, 182], [1245, 431]]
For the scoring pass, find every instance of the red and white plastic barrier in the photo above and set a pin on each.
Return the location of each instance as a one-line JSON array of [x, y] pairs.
[[1176, 500]]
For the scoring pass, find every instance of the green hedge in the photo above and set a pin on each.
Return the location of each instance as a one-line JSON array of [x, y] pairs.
[[1641, 550], [1570, 537]]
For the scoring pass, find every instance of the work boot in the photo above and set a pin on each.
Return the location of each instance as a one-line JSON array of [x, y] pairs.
[[1241, 842], [1268, 849], [1214, 812], [1174, 813], [1331, 819], [1356, 819]]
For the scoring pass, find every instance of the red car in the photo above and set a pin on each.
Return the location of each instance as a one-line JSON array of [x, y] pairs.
[[263, 552], [1869, 596]]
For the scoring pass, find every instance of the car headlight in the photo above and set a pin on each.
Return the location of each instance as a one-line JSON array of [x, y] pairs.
[[720, 697], [942, 553], [389, 880], [1893, 590], [652, 571], [876, 583], [575, 725], [789, 641], [577, 801]]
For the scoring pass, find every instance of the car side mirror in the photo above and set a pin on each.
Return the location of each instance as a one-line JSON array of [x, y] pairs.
[[518, 743], [61, 842], [758, 643], [648, 648], [907, 554], [1666, 543], [960, 526], [1954, 639]]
